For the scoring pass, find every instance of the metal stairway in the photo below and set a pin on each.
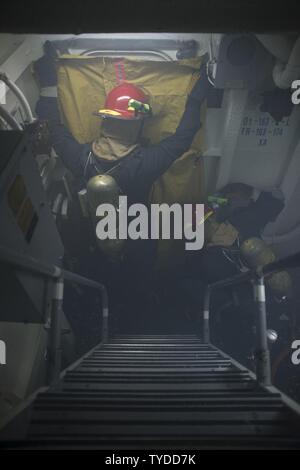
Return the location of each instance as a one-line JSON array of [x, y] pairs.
[[147, 391], [165, 392]]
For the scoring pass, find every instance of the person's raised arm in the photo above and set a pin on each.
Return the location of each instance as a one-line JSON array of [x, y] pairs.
[[65, 145], [157, 158]]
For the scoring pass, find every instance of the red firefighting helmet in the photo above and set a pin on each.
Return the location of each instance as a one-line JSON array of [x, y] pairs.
[[125, 101]]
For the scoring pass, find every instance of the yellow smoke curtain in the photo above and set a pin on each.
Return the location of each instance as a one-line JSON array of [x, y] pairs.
[[84, 82]]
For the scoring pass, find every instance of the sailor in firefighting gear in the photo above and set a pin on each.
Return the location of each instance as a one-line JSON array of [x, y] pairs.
[[234, 220], [132, 168]]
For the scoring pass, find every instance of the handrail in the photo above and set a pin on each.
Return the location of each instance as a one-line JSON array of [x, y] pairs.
[[233, 280], [20, 96], [263, 368], [290, 262], [124, 52], [26, 263]]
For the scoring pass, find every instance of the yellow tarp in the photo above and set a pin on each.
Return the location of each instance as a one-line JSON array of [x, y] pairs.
[[83, 84]]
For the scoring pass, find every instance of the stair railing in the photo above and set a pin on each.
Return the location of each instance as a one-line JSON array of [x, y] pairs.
[[257, 278], [59, 276]]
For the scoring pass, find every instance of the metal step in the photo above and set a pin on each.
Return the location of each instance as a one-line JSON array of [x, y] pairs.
[[166, 391]]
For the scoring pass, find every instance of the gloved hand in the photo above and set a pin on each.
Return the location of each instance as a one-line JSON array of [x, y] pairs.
[[202, 86], [45, 67]]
